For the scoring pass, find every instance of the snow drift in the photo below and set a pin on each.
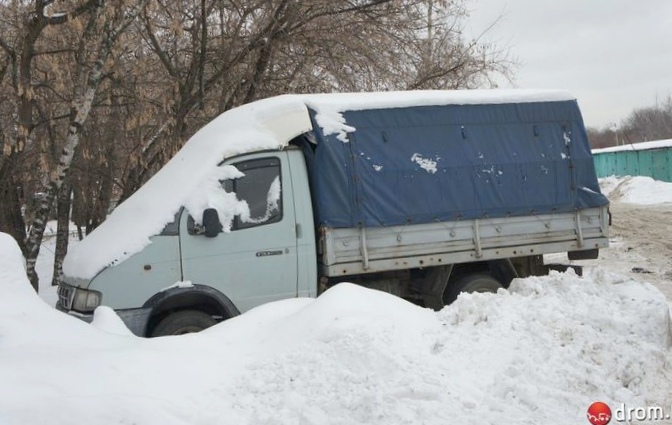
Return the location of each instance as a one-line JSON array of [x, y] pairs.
[[542, 351], [640, 190]]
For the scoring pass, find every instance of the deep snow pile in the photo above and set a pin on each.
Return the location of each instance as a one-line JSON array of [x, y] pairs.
[[640, 190], [541, 352]]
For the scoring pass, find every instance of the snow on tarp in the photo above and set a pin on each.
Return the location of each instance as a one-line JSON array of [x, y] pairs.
[[424, 164], [540, 352], [191, 178]]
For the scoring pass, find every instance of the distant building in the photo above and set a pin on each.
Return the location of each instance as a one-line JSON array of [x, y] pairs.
[[652, 159]]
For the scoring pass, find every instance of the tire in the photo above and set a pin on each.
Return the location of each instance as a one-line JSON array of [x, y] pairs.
[[478, 282], [183, 322]]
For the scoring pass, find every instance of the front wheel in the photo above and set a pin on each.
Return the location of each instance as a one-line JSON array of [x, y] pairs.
[[183, 322], [478, 282]]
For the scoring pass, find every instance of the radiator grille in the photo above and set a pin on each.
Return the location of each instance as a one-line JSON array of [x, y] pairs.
[[65, 295]]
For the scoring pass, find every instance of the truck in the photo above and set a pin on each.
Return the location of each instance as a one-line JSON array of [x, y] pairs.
[[421, 194]]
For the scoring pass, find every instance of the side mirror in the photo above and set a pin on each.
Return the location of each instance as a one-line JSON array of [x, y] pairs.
[[211, 223]]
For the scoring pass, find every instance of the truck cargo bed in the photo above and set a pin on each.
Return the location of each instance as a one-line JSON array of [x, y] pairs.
[[349, 251]]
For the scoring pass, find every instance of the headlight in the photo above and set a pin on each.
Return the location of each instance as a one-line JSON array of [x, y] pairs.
[[85, 301]]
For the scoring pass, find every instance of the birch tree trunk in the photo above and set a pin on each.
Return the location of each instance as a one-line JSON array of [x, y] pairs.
[[62, 232], [80, 109]]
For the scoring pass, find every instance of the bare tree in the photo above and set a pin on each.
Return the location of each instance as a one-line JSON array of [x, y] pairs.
[[26, 113], [97, 36], [98, 96], [601, 138], [220, 54], [649, 123], [642, 125]]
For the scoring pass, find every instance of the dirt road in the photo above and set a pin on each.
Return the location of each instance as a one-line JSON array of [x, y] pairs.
[[642, 243]]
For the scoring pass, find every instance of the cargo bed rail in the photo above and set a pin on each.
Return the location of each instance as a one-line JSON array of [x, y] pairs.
[[368, 250]]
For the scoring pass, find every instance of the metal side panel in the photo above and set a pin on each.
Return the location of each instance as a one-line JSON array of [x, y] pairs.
[[354, 251]]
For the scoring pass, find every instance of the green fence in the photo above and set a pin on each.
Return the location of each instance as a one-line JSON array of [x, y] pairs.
[[654, 163]]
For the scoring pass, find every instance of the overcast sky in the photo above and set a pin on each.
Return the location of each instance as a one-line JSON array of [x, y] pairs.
[[613, 55]]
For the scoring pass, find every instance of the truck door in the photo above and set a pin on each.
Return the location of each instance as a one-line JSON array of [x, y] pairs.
[[256, 262]]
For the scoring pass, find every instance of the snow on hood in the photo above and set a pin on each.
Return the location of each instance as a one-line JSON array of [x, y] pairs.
[[540, 352], [266, 124]]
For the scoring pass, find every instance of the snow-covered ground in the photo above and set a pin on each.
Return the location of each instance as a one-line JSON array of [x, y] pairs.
[[640, 248], [637, 190], [541, 352]]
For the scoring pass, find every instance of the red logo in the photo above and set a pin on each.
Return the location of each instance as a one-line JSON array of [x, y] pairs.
[[599, 413]]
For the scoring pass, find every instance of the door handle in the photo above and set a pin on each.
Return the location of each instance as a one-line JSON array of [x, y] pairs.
[[269, 253]]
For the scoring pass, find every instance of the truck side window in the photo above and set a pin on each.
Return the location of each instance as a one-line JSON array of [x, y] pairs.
[[261, 189]]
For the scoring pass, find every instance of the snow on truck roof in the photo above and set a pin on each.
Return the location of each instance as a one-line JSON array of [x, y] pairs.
[[401, 99], [262, 125]]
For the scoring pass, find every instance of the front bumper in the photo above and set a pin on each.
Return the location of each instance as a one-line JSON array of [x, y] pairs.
[[88, 318], [135, 319]]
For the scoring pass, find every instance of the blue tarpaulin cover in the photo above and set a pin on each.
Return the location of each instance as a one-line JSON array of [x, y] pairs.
[[426, 164]]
